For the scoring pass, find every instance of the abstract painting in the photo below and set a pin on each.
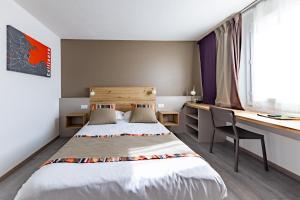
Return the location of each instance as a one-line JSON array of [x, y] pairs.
[[26, 55]]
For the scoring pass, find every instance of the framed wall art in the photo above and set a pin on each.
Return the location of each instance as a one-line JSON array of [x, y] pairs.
[[27, 55]]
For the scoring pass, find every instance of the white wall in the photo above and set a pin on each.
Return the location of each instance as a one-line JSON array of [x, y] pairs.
[[29, 103], [171, 103]]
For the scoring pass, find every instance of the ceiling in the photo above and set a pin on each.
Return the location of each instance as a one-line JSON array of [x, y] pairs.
[[163, 20]]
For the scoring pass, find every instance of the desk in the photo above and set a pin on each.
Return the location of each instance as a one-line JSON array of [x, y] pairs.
[[292, 126]]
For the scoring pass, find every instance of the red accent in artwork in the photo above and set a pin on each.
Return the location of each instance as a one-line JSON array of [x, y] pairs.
[[39, 53]]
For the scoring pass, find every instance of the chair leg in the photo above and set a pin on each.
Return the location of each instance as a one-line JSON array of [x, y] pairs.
[[234, 145], [212, 141], [264, 154], [236, 155]]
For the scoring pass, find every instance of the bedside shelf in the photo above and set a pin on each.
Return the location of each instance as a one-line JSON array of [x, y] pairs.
[[76, 120], [170, 124], [168, 118]]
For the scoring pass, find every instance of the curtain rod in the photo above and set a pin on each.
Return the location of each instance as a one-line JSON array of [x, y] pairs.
[[254, 3]]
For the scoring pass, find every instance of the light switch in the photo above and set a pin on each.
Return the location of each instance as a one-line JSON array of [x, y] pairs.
[[83, 107]]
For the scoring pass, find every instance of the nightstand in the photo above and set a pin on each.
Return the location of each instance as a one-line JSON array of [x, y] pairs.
[[168, 118], [76, 120]]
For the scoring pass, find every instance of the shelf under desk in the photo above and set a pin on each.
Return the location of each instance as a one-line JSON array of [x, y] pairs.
[[292, 126]]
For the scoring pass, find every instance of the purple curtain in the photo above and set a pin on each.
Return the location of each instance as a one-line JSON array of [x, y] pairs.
[[208, 52]]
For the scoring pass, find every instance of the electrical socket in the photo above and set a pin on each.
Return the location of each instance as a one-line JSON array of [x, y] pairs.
[[83, 107]]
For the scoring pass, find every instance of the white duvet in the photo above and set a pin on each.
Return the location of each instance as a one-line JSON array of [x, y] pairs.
[[165, 179]]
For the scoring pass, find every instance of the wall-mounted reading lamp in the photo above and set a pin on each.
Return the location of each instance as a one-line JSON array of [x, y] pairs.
[[153, 91], [92, 92]]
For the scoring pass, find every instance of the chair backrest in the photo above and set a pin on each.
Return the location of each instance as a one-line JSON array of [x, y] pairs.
[[222, 116]]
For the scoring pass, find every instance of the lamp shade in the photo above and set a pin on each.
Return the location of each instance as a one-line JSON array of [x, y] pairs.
[[154, 91], [92, 93], [193, 92]]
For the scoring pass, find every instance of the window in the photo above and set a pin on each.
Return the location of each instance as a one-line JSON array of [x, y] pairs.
[[270, 79]]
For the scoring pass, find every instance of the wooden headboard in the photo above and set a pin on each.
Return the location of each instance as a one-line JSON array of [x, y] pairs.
[[123, 97]]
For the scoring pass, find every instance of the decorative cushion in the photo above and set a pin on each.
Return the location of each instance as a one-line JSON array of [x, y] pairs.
[[103, 116], [143, 115]]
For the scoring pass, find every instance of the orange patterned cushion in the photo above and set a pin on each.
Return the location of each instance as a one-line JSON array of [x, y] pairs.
[[142, 105], [102, 105]]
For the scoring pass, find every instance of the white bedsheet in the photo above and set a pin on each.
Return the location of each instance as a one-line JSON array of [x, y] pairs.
[[123, 126], [165, 179]]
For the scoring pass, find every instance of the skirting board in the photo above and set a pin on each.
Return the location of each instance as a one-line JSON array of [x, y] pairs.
[[26, 160], [275, 166]]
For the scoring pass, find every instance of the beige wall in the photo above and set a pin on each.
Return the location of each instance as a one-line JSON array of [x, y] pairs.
[[169, 66]]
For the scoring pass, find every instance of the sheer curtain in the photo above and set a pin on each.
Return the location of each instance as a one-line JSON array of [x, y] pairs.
[[271, 57]]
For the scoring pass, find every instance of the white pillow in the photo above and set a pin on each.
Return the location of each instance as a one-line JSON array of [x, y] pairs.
[[119, 115], [127, 115]]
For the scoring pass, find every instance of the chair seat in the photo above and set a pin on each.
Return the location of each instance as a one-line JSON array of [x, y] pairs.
[[243, 134]]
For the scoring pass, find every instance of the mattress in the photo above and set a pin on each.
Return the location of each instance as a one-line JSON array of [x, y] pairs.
[[167, 179]]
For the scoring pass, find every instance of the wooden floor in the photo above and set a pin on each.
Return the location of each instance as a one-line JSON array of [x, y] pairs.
[[10, 186], [251, 183]]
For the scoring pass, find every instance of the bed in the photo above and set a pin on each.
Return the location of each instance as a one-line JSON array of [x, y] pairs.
[[179, 177]]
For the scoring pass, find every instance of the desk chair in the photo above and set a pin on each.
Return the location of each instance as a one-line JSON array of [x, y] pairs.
[[224, 121]]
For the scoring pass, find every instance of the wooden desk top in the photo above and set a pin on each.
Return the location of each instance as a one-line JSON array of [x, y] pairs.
[[169, 112], [252, 117]]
